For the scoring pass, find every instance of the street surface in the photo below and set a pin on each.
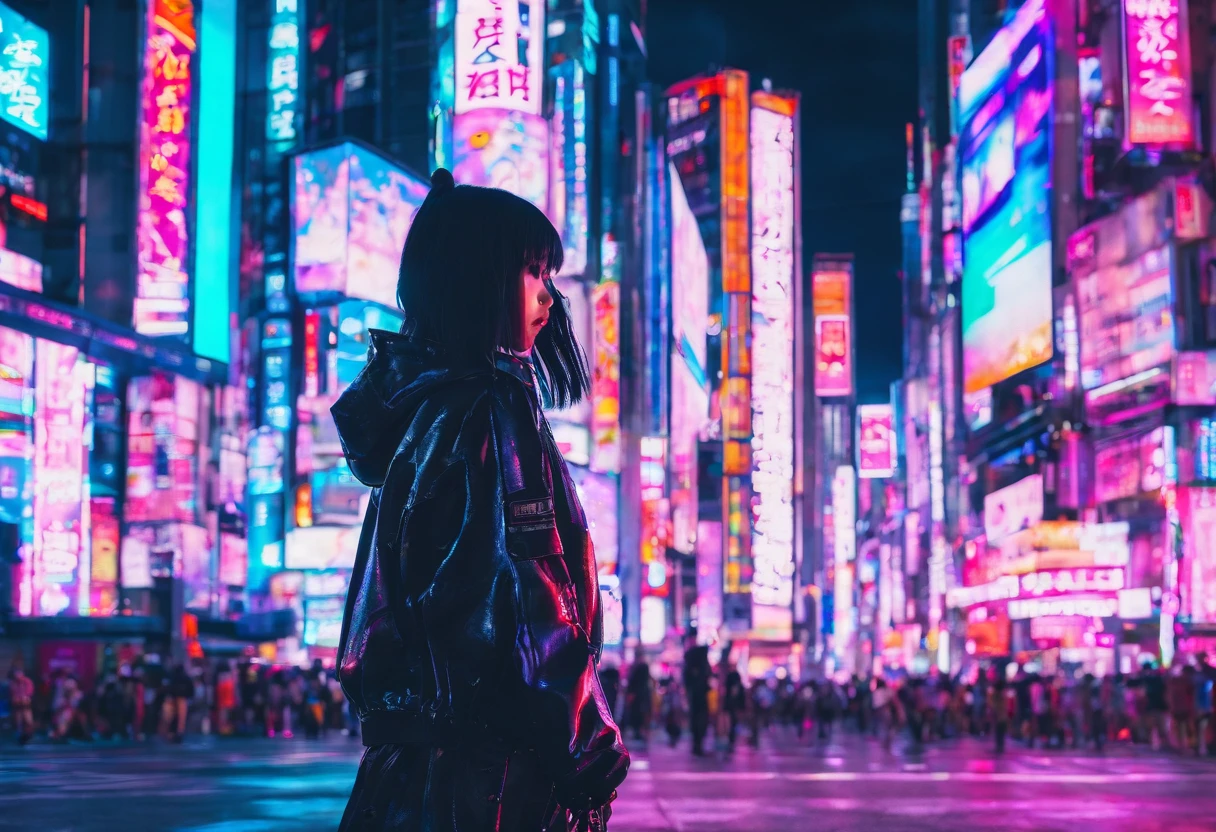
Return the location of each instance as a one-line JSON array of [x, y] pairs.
[[301, 786]]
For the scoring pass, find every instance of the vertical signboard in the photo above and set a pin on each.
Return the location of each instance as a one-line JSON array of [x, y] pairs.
[[283, 71], [60, 520], [499, 54], [772, 394], [1158, 110], [25, 66], [162, 287], [832, 286], [568, 179], [844, 551], [606, 379]]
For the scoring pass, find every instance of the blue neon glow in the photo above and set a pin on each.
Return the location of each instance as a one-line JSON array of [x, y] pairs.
[[25, 62], [214, 265]]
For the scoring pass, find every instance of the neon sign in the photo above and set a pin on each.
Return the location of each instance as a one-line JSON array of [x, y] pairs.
[[60, 559], [772, 399], [606, 380], [24, 64], [162, 291], [499, 57], [283, 71], [1157, 73], [876, 449], [831, 287], [844, 543]]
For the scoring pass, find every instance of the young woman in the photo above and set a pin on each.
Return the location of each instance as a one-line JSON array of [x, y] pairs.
[[473, 624]]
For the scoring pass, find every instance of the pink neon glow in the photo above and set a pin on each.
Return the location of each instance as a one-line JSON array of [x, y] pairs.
[[162, 298], [59, 466], [772, 156], [1158, 73], [606, 379], [876, 441]]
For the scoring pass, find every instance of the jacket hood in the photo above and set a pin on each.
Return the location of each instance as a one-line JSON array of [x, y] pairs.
[[373, 414]]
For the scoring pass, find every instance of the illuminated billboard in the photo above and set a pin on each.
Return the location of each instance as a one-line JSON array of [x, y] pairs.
[[162, 449], [1123, 268], [844, 552], [25, 67], [606, 379], [1013, 508], [283, 71], [572, 425], [876, 443], [162, 285], [499, 55], [503, 149], [689, 378], [598, 495], [568, 180], [351, 211], [58, 572], [1006, 106], [772, 389], [1198, 566], [832, 287], [1158, 107]]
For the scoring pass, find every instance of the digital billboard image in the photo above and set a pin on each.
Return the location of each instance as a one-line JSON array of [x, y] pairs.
[[689, 379], [503, 149], [1006, 102], [351, 211]]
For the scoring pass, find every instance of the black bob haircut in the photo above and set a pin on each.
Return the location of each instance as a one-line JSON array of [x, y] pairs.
[[459, 282]]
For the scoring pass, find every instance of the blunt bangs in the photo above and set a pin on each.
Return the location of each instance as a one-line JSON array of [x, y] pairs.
[[459, 282]]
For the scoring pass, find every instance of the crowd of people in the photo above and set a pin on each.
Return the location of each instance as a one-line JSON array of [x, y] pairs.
[[147, 699], [1151, 706]]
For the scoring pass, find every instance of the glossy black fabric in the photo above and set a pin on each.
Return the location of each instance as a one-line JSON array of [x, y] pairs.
[[474, 601]]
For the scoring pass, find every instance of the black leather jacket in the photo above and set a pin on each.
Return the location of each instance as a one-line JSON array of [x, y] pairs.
[[473, 615]]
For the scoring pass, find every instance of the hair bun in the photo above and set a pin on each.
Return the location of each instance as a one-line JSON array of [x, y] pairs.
[[441, 180]]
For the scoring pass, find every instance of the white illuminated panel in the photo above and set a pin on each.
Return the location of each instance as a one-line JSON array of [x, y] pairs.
[[772, 157], [1088, 607], [499, 55], [844, 521]]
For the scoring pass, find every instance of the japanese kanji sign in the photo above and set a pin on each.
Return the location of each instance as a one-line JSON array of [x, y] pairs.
[[499, 55], [283, 71], [1158, 110], [24, 72], [162, 297]]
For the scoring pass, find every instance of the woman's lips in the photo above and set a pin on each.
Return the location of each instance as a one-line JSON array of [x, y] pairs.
[[540, 322]]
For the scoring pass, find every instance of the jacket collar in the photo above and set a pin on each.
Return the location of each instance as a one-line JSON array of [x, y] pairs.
[[512, 364]]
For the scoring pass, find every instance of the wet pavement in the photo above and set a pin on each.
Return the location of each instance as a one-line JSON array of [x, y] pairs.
[[301, 786]]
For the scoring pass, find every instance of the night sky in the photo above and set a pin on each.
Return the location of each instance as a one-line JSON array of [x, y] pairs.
[[855, 65]]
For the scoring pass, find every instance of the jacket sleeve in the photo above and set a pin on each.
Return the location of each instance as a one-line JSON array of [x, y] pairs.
[[506, 626]]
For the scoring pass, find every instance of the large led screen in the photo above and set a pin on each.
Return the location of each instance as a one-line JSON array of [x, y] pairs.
[[1006, 101], [503, 149], [773, 253], [689, 376], [351, 211]]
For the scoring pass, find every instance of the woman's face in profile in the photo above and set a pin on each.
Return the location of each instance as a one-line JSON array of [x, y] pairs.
[[535, 301]]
